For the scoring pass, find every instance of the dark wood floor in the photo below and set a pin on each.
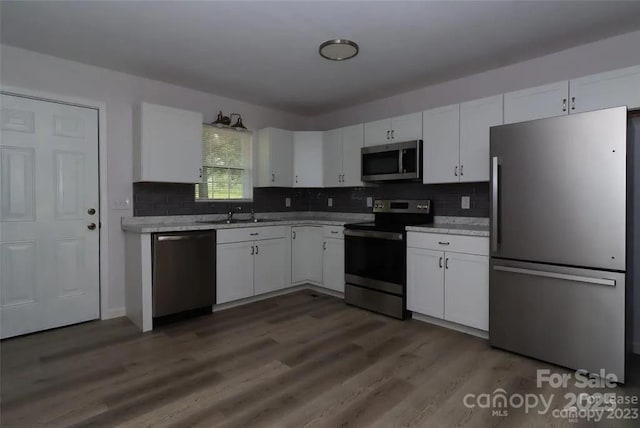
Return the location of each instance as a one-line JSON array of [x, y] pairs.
[[301, 359]]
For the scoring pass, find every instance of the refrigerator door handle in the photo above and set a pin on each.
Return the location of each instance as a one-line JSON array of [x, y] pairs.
[[495, 162], [577, 278]]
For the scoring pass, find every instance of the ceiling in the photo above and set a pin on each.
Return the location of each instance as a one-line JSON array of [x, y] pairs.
[[267, 52]]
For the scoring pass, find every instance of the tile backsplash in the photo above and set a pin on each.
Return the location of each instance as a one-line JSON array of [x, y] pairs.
[[152, 199]]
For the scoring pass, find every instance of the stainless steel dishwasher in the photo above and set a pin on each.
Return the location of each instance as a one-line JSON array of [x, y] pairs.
[[184, 272]]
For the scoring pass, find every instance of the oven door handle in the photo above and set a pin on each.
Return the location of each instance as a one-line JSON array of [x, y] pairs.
[[375, 234]]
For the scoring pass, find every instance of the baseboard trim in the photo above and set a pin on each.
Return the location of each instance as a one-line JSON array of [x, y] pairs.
[[114, 313], [326, 291], [451, 325]]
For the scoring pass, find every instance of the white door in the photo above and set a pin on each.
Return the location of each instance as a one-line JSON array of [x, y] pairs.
[[406, 128], [306, 254], [281, 157], [332, 158], [425, 282], [49, 270], [333, 264], [269, 265], [234, 271], [604, 90], [441, 150], [476, 117], [352, 143], [377, 132], [307, 159], [537, 103], [466, 290]]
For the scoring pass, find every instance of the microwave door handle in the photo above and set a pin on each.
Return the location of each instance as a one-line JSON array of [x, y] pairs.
[[400, 160]]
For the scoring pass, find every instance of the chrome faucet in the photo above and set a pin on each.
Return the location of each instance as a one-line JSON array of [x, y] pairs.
[[253, 216], [232, 212]]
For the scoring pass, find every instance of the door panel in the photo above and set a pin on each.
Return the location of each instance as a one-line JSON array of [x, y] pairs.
[[269, 264], [441, 150], [234, 276], [377, 132], [306, 254], [49, 180], [605, 90], [476, 117], [332, 157], [556, 177], [559, 314], [333, 264], [352, 143], [307, 150], [425, 282], [537, 103], [406, 128], [466, 290]]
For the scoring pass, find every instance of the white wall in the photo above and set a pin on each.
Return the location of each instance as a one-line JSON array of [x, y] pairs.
[[604, 55], [120, 91]]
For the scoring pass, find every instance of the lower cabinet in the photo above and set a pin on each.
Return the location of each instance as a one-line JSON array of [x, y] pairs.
[[245, 269], [449, 285], [333, 264], [306, 254]]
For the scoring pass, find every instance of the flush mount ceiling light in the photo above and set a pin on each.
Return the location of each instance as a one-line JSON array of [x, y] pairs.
[[338, 49]]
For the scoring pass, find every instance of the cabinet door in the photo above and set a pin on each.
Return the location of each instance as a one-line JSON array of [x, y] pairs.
[[425, 282], [333, 264], [269, 264], [170, 144], [352, 143], [466, 290], [441, 150], [476, 117], [307, 151], [377, 132], [306, 254], [604, 90], [537, 103], [234, 276], [406, 128], [281, 157], [332, 158]]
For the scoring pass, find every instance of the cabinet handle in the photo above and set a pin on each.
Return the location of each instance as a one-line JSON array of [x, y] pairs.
[[443, 243], [324, 245], [446, 263], [296, 179], [200, 170], [254, 234], [461, 174], [440, 262], [392, 137], [257, 250], [335, 232], [273, 178], [573, 103], [343, 178], [455, 170], [564, 104], [388, 134], [253, 250], [293, 235]]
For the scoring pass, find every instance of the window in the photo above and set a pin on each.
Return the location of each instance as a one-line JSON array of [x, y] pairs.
[[226, 169]]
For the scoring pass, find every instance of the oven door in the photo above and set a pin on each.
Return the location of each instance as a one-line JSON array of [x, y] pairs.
[[375, 260], [398, 161]]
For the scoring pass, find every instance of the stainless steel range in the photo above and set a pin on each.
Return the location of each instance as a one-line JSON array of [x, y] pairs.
[[375, 256]]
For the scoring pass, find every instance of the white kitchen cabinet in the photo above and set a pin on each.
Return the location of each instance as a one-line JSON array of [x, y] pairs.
[[273, 159], [306, 254], [441, 148], [611, 89], [466, 291], [167, 144], [425, 282], [234, 271], [397, 129], [341, 156], [476, 118], [452, 285], [537, 103], [268, 265], [333, 264], [307, 152]]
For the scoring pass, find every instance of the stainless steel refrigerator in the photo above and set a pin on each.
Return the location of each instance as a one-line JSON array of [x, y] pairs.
[[558, 240]]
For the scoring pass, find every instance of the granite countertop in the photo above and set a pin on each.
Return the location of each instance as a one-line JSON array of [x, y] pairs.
[[452, 229], [189, 223]]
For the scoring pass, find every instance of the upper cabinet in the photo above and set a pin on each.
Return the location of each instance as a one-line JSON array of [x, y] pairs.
[[167, 144], [537, 103], [273, 158], [456, 140], [612, 89], [341, 156], [307, 151], [397, 129]]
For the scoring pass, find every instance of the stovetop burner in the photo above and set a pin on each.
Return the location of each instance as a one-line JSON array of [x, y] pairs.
[[395, 215]]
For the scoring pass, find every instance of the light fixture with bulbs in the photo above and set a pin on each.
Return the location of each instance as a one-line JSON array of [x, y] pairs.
[[223, 121], [338, 49]]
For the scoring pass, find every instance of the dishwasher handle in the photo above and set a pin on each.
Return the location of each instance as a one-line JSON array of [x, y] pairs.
[[183, 237]]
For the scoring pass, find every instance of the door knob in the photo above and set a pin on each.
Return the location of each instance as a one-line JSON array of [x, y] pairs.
[[91, 226], [91, 211]]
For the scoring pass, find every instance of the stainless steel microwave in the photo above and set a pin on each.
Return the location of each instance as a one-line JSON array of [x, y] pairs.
[[396, 161]]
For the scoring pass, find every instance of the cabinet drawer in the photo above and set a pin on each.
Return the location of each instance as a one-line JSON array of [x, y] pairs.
[[333, 232], [242, 234], [445, 242]]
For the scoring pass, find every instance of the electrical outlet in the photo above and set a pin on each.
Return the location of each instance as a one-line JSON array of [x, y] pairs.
[[329, 202], [369, 202], [287, 202], [466, 202], [120, 204]]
